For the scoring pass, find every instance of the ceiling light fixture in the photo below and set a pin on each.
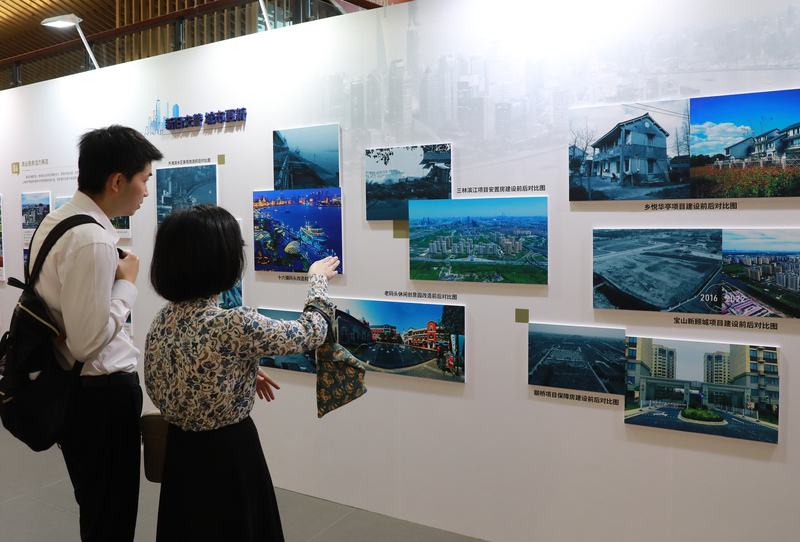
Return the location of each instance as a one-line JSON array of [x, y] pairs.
[[64, 21]]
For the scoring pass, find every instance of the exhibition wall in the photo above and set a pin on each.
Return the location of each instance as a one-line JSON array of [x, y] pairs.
[[488, 454]]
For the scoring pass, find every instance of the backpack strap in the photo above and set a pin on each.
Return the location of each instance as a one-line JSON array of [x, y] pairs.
[[54, 235]]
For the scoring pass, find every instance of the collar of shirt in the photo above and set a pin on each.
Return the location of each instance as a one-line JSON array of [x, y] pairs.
[[85, 205]]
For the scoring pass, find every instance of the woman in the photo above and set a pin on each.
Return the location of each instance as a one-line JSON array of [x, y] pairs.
[[201, 371]]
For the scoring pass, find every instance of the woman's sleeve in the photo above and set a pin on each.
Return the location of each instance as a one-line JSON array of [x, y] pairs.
[[268, 337]]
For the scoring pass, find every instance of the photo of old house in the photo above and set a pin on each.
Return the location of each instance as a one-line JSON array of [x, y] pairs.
[[629, 152]]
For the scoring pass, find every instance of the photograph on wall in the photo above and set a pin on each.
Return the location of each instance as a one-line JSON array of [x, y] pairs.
[[232, 298], [424, 340], [760, 273], [122, 225], [306, 157], [501, 240], [746, 145], [668, 270], [629, 151], [35, 206], [395, 175], [305, 362], [294, 228], [719, 389], [128, 325], [60, 200], [577, 358], [184, 186], [745, 272]]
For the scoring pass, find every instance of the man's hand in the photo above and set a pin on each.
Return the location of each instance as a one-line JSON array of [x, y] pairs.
[[128, 267]]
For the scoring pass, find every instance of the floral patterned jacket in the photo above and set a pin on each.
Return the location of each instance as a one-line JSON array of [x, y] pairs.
[[201, 361]]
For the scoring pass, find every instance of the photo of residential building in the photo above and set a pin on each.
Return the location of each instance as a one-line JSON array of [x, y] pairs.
[[761, 273], [728, 390], [629, 152], [479, 240], [35, 206], [746, 145]]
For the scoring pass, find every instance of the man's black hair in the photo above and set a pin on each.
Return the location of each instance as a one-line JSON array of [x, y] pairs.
[[198, 253], [115, 149]]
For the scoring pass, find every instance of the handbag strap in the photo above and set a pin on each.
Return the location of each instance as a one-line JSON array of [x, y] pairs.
[[329, 337], [54, 235]]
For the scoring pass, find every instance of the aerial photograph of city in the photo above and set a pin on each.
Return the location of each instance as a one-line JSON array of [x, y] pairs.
[[499, 240], [725, 390], [305, 362], [412, 339], [397, 174], [746, 145], [306, 157], [294, 228], [668, 270], [577, 358], [761, 273], [629, 151], [184, 186]]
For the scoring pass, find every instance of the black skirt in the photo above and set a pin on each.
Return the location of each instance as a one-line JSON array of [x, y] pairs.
[[216, 486]]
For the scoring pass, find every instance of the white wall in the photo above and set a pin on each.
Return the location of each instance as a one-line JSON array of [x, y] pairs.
[[486, 458]]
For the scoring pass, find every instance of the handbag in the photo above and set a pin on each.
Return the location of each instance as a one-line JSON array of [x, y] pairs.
[[154, 443], [340, 375]]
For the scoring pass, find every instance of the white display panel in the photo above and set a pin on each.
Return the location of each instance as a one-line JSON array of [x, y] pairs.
[[487, 458]]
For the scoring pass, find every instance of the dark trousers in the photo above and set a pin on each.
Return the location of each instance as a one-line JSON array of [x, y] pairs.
[[102, 450]]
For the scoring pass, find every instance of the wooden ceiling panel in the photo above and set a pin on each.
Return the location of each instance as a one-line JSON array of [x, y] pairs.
[[21, 30]]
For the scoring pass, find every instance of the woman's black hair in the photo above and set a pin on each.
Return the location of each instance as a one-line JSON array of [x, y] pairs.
[[198, 253]]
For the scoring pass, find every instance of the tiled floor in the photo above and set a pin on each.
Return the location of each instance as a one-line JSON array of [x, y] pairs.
[[37, 505]]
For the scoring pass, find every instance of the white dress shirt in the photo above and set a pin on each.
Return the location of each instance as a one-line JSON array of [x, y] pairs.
[[77, 284]]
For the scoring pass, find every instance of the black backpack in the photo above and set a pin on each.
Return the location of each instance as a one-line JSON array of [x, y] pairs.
[[35, 391]]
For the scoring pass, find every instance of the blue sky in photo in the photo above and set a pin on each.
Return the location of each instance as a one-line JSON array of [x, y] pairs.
[[279, 314], [482, 207], [761, 241], [35, 198], [720, 121], [395, 313], [690, 355]]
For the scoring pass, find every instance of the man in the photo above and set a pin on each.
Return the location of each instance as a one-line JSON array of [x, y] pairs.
[[89, 290]]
